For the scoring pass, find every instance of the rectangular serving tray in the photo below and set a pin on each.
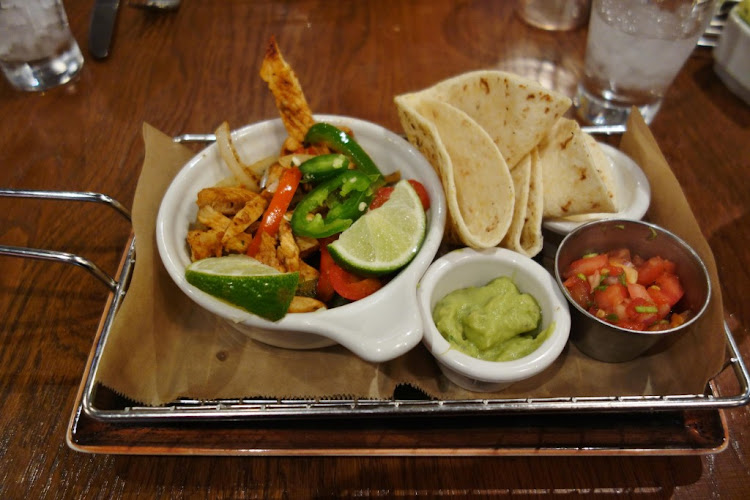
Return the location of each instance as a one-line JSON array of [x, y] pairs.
[[230, 409], [103, 422]]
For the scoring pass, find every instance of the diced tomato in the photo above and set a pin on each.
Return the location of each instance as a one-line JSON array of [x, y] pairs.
[[619, 255], [381, 196], [650, 270], [630, 325], [586, 265], [642, 311], [424, 197], [626, 289], [638, 291], [662, 301], [664, 310], [620, 312], [608, 297], [579, 291], [614, 270], [670, 286]]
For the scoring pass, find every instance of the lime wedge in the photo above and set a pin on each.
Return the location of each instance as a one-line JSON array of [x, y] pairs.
[[385, 239], [244, 282]]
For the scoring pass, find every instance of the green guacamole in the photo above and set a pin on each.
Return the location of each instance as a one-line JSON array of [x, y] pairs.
[[495, 322]]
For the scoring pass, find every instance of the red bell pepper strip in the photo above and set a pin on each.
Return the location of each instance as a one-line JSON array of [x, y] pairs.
[[381, 196], [277, 208], [350, 286], [384, 193], [324, 290], [424, 196]]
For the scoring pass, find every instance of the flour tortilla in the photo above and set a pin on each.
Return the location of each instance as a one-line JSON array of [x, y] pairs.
[[603, 166], [516, 112], [531, 236], [476, 179], [521, 176], [574, 173], [525, 232]]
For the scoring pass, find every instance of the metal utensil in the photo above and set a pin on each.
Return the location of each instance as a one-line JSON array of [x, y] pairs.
[[155, 4], [102, 26], [592, 129]]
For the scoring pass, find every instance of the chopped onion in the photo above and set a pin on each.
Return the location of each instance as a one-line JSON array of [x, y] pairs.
[[294, 160], [232, 158]]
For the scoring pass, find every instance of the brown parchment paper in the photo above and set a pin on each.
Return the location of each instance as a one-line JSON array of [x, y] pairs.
[[162, 346]]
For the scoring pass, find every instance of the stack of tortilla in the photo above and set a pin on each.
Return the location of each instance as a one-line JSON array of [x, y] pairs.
[[506, 157]]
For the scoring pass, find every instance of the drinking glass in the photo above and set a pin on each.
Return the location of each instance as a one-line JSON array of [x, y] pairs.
[[554, 15], [37, 48], [634, 50]]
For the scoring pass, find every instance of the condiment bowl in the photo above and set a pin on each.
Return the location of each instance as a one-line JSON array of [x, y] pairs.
[[732, 64], [604, 341], [377, 328], [467, 267]]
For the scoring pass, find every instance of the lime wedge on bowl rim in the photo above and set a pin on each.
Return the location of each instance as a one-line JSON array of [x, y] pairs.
[[385, 239], [245, 282]]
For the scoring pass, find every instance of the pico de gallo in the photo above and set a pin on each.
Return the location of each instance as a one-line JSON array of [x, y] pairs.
[[627, 290]]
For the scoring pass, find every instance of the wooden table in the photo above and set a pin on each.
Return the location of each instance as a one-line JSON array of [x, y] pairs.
[[187, 71]]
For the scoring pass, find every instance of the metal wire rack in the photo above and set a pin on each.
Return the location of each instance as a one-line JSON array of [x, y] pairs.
[[245, 409]]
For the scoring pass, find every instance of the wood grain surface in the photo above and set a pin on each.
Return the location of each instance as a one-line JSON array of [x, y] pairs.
[[186, 71]]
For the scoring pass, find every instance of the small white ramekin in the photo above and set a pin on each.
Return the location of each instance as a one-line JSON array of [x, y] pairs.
[[468, 268], [732, 63]]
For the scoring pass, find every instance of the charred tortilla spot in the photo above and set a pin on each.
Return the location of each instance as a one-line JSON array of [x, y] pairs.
[[492, 225], [485, 85]]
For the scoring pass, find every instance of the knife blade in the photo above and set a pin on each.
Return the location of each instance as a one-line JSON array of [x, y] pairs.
[[102, 27]]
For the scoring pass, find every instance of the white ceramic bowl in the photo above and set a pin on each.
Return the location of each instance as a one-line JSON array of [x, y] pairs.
[[732, 63], [466, 267], [378, 328], [633, 195]]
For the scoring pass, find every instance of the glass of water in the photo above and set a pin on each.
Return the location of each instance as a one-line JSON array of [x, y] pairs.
[[634, 50], [37, 48]]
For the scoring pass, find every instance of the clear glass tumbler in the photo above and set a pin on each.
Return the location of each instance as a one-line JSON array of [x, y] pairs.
[[634, 50], [37, 48]]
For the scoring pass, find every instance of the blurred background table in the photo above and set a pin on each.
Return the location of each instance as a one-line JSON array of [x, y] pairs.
[[186, 71]]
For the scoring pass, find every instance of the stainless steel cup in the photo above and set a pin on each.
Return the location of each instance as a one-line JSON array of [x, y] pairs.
[[604, 341], [37, 49]]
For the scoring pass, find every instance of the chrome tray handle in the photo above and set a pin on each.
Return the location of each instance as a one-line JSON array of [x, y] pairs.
[[64, 257]]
